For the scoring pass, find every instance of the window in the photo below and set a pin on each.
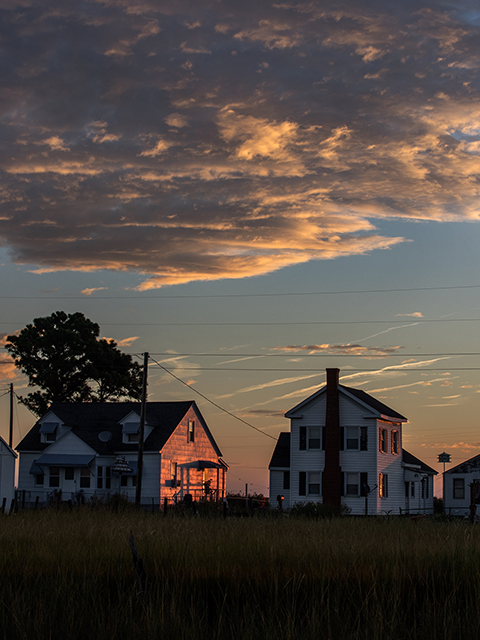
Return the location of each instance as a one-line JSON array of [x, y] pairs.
[[54, 477], [458, 488], [352, 440], [382, 440], [302, 483], [314, 437], [286, 480], [130, 432], [191, 431], [303, 438], [124, 480], [39, 479], [425, 487], [383, 485], [69, 473], [173, 474], [99, 477], [314, 483], [85, 478], [352, 484], [363, 438], [108, 477], [395, 441], [48, 431]]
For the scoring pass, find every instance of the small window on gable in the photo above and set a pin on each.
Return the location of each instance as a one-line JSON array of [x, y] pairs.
[[191, 431], [130, 432], [48, 431]]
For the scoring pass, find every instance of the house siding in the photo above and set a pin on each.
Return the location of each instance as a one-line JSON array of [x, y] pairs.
[[7, 474]]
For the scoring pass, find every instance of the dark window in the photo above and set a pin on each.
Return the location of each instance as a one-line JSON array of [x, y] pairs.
[[108, 477], [286, 480], [191, 431], [69, 473], [99, 477], [352, 484], [363, 438], [382, 440], [124, 481], [302, 483], [395, 441], [412, 489], [303, 438], [424, 488], [85, 478], [54, 477], [383, 485], [132, 437], [352, 438], [458, 488], [407, 487], [314, 438], [314, 483], [39, 479]]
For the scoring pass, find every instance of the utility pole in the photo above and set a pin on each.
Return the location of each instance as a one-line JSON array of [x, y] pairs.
[[141, 432], [10, 433]]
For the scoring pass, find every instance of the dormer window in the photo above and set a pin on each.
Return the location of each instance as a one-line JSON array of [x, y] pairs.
[[48, 431], [130, 432]]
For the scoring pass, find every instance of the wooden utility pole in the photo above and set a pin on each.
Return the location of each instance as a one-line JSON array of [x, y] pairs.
[[10, 432], [141, 432]]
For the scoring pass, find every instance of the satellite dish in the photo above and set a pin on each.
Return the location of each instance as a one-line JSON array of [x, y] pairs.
[[105, 436]]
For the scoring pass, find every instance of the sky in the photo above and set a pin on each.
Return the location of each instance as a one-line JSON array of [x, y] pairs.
[[251, 192]]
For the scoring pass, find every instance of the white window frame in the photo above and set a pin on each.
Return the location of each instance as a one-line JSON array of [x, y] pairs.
[[314, 478], [458, 489], [352, 434], [349, 476]]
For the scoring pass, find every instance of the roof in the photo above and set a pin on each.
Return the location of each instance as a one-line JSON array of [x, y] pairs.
[[382, 410], [88, 419], [409, 459], [8, 447], [281, 453], [467, 466]]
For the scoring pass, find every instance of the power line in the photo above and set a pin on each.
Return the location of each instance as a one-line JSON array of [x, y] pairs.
[[243, 295], [282, 324], [214, 403]]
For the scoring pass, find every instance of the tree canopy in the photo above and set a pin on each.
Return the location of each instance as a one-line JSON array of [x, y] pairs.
[[64, 358]]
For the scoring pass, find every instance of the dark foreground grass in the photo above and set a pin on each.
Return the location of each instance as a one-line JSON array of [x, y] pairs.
[[71, 575]]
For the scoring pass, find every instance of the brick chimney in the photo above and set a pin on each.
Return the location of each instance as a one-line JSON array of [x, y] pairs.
[[332, 473]]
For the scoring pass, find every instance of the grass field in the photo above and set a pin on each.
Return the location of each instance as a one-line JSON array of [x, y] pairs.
[[71, 575]]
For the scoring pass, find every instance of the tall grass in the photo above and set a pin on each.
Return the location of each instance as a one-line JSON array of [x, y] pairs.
[[71, 575]]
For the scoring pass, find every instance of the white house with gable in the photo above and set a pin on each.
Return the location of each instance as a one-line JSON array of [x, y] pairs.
[[345, 448], [80, 450]]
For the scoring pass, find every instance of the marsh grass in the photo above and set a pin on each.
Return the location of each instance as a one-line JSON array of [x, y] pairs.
[[71, 575]]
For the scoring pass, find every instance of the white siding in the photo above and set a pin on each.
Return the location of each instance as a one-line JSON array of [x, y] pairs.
[[7, 475]]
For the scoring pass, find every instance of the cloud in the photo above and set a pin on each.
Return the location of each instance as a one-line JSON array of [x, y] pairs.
[[344, 349], [88, 292], [140, 137]]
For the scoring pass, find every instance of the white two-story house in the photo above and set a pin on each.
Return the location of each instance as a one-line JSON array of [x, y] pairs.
[[80, 450], [345, 448]]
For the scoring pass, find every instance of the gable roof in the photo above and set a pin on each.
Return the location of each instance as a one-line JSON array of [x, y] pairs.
[[410, 459], [8, 447], [380, 409], [281, 453], [467, 466], [88, 419]]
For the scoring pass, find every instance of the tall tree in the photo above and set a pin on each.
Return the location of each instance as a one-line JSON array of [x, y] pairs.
[[62, 356]]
